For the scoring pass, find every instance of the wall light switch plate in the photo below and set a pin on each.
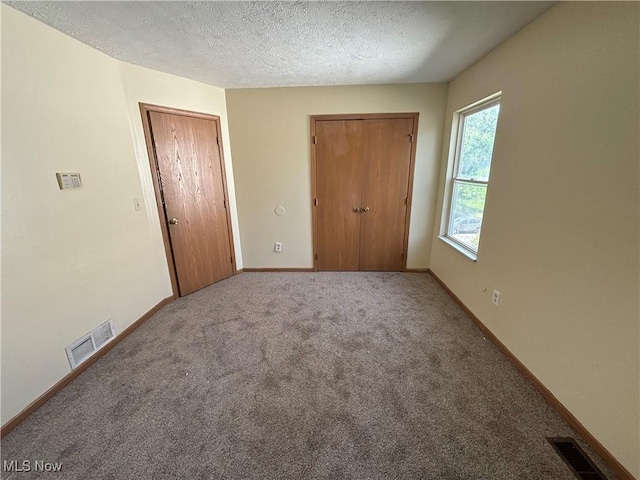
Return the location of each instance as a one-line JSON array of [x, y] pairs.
[[136, 204]]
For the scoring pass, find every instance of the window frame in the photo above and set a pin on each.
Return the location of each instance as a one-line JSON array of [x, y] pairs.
[[453, 178]]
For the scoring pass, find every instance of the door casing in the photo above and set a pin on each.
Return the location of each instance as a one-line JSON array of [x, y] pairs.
[[363, 116], [145, 108]]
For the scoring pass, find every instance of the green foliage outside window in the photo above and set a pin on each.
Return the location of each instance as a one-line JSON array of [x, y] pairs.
[[475, 158]]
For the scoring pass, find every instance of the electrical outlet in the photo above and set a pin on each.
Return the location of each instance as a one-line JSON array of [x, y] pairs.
[[495, 298], [278, 247]]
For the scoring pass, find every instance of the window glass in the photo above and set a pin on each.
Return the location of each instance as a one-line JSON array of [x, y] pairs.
[[476, 148], [467, 207]]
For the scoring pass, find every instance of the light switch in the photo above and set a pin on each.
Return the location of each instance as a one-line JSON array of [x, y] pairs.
[[136, 204]]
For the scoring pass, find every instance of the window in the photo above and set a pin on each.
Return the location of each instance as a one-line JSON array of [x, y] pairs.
[[475, 134]]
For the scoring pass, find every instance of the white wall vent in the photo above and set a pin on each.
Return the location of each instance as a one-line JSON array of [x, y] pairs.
[[83, 348]]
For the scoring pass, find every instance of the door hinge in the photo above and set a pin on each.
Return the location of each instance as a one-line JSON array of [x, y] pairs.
[[316, 256], [314, 139], [406, 200], [231, 259], [315, 202], [224, 202], [217, 141], [411, 138]]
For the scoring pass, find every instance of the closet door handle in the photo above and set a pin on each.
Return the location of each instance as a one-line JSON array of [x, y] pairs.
[[365, 209], [356, 209]]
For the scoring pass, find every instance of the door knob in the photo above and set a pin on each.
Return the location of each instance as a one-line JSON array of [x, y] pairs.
[[174, 221], [356, 209], [365, 209]]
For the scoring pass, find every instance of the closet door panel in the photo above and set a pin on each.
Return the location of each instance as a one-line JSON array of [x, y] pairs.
[[386, 164], [339, 151]]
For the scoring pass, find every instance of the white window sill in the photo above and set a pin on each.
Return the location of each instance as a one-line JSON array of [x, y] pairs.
[[466, 252]]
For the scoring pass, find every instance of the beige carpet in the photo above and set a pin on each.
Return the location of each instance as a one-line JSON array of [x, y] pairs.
[[300, 375]]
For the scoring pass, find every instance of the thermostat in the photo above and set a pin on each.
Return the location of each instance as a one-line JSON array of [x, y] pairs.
[[68, 180]]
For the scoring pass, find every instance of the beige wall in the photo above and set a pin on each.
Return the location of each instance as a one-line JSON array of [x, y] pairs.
[[72, 259], [560, 235], [272, 160]]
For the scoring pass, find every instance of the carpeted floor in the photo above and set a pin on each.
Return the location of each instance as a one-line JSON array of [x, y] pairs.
[[300, 375]]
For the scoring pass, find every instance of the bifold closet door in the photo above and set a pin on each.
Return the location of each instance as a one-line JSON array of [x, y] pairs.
[[386, 165], [339, 191], [362, 172]]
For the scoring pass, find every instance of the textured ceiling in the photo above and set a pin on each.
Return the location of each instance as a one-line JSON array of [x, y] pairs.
[[265, 44]]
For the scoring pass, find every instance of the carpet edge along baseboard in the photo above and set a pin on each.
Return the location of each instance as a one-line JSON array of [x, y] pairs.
[[567, 416], [310, 269], [42, 399], [275, 269]]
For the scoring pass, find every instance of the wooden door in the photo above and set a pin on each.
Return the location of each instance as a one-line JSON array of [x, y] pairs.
[[189, 162], [386, 166], [339, 192], [363, 167]]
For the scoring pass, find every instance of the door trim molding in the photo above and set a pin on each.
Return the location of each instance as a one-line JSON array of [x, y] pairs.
[[314, 172], [145, 109], [363, 116]]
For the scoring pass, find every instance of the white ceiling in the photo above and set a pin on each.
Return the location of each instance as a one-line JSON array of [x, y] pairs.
[[267, 44]]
